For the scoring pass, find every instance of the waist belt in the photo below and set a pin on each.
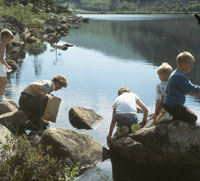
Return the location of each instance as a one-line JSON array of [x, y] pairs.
[[122, 116]]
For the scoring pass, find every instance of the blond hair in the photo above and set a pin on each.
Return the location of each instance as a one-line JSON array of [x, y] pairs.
[[7, 33], [123, 90], [184, 57], [164, 68]]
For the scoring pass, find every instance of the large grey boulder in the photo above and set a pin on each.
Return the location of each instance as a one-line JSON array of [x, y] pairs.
[[8, 106], [83, 118], [62, 46], [52, 22], [169, 150], [14, 121], [4, 133], [73, 147], [17, 53], [13, 64]]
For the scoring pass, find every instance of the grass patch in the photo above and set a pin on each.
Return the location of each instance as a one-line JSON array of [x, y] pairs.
[[26, 16], [134, 128]]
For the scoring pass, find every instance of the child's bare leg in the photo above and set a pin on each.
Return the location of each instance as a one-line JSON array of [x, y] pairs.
[[3, 81]]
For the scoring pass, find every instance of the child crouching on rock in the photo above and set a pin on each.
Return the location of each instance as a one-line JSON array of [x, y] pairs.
[[179, 85], [163, 72], [125, 112]]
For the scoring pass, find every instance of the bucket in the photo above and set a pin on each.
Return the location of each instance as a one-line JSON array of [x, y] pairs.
[[52, 108]]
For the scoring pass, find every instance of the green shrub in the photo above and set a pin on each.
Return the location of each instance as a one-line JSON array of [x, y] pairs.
[[177, 8], [194, 8], [95, 5], [20, 161], [26, 16], [128, 6], [134, 128], [2, 3]]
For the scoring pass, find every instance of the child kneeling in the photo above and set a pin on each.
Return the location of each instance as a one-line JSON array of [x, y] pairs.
[[179, 85]]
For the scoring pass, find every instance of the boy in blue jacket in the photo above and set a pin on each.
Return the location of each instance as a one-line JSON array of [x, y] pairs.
[[179, 85]]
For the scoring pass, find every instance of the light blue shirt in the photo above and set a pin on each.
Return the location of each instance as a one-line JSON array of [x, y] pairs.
[[160, 91]]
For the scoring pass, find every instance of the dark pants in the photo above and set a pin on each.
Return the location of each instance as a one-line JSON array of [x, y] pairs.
[[35, 106], [181, 113]]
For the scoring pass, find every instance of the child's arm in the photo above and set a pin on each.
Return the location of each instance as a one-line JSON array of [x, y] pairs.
[[1, 57], [145, 110], [159, 98], [112, 125], [157, 106], [186, 86], [38, 91]]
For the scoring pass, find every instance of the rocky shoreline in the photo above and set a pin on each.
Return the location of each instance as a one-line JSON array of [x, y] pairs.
[[66, 144], [55, 28]]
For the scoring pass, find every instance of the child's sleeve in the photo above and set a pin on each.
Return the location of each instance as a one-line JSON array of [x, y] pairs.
[[186, 86], [159, 92]]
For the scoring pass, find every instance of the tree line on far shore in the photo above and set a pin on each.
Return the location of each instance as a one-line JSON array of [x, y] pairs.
[[48, 5], [135, 6]]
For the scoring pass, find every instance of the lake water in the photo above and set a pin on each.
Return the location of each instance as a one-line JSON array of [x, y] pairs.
[[109, 52]]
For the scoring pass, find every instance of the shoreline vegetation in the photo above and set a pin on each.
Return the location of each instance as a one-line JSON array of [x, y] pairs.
[[23, 155], [133, 6], [79, 11]]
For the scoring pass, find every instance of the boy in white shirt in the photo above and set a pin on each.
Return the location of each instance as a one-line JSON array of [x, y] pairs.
[[125, 110]]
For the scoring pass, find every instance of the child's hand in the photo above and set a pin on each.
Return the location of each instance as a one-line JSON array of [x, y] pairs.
[[45, 96], [153, 116], [8, 67], [108, 140]]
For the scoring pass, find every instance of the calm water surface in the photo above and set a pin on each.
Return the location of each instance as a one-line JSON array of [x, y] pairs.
[[109, 52]]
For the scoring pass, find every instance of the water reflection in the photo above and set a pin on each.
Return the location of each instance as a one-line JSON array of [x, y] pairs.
[[36, 48], [155, 40]]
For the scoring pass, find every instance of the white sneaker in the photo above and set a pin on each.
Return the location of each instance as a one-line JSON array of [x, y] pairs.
[[4, 100], [163, 116]]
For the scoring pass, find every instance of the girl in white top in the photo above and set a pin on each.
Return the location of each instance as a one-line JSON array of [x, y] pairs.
[[5, 38], [125, 110]]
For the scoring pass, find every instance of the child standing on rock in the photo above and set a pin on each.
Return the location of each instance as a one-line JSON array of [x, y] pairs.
[[5, 38]]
